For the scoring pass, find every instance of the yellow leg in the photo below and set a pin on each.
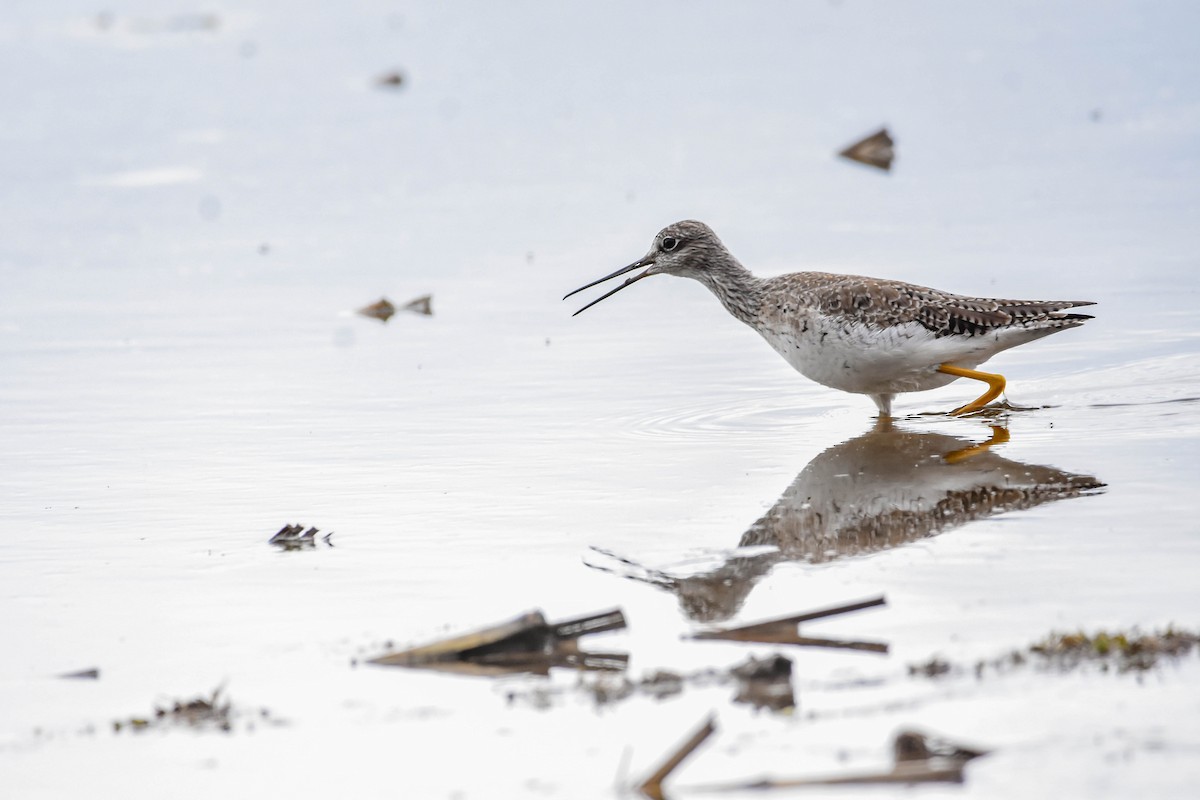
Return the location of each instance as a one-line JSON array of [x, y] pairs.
[[995, 386]]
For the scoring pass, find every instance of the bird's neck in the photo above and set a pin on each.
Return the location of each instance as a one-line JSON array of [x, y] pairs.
[[737, 289]]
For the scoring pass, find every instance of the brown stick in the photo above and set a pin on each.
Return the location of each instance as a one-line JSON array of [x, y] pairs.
[[915, 772], [767, 627], [592, 623], [652, 786]]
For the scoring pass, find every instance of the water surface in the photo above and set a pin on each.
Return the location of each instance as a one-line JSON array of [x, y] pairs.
[[191, 214]]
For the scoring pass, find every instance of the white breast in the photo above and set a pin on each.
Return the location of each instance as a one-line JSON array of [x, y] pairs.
[[872, 360]]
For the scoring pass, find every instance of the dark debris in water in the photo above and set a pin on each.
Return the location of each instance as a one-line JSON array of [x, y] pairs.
[[877, 150], [919, 757], [527, 644], [1127, 651], [910, 745], [295, 537], [383, 309], [761, 682], [933, 668], [92, 674], [422, 305], [1123, 651], [652, 785], [766, 683], [214, 712], [785, 630], [391, 80]]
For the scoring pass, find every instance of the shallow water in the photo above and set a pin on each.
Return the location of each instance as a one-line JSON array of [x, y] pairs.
[[190, 217]]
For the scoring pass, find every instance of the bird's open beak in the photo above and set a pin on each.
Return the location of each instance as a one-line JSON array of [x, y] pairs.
[[644, 262]]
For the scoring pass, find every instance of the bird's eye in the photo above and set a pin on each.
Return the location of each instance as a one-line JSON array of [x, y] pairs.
[[669, 243]]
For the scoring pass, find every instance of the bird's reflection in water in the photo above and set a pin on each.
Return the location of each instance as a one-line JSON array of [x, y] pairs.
[[879, 490]]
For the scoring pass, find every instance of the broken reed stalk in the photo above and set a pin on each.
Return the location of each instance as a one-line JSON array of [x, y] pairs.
[[612, 620], [837, 644], [914, 772], [596, 662], [652, 786], [774, 626]]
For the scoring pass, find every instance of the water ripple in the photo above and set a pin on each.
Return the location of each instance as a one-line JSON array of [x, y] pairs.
[[758, 417]]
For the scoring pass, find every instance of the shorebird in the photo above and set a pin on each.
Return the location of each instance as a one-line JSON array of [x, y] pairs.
[[869, 336]]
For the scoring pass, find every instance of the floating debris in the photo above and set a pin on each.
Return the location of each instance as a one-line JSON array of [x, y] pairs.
[[213, 712], [384, 309], [526, 644], [766, 683], [1128, 651], [932, 668], [785, 630], [910, 745], [390, 80], [422, 305], [83, 674], [294, 537], [652, 786], [761, 682], [1124, 651], [608, 689], [876, 150], [919, 758], [662, 683]]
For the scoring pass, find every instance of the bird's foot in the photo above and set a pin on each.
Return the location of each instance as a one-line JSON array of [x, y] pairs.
[[971, 409], [992, 411], [995, 384]]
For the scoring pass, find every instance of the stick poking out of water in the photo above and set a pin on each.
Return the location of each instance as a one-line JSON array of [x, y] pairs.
[[784, 630], [652, 786]]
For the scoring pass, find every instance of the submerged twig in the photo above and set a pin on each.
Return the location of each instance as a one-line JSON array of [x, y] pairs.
[[784, 630], [592, 623], [919, 758], [915, 772], [652, 786], [84, 674]]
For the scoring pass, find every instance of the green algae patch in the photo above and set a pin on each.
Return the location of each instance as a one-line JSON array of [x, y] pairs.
[[1125, 651], [1121, 651]]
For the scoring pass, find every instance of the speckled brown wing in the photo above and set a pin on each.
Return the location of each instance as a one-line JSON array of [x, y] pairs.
[[955, 315], [884, 303]]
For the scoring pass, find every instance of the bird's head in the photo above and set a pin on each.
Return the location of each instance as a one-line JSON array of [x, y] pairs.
[[688, 249]]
